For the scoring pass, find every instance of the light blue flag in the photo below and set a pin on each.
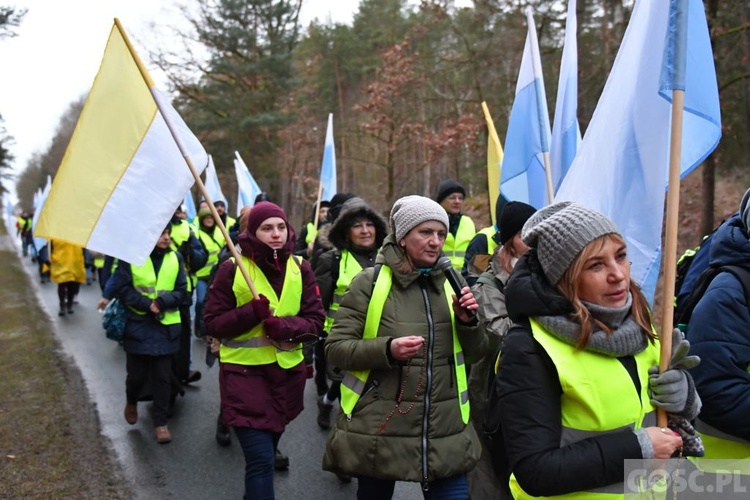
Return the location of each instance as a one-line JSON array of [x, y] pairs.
[[190, 206], [39, 204], [213, 188], [566, 135], [622, 166], [528, 138], [247, 188], [328, 168]]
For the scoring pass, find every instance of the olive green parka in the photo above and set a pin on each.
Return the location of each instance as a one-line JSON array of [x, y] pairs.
[[381, 440]]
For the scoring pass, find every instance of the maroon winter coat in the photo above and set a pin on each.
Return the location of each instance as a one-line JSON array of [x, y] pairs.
[[265, 397]]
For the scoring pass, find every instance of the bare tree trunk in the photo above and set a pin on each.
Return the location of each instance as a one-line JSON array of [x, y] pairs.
[[709, 181], [709, 166], [746, 49]]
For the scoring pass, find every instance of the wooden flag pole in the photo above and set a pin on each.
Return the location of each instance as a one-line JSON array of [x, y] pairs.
[[317, 206], [670, 239], [196, 176]]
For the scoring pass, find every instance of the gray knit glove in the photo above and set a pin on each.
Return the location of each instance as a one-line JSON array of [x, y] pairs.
[[673, 390]]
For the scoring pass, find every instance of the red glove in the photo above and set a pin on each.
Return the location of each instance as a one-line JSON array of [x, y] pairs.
[[261, 308], [274, 328], [310, 371]]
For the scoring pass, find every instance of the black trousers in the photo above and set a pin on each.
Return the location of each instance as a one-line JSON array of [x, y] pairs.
[[182, 358], [157, 370], [67, 291]]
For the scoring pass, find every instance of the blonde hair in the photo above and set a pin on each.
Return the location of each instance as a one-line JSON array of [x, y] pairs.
[[568, 286]]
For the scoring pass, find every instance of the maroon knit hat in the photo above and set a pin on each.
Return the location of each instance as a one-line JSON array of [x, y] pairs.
[[262, 211]]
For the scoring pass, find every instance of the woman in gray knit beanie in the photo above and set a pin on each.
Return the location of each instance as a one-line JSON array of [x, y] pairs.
[[404, 337], [577, 389]]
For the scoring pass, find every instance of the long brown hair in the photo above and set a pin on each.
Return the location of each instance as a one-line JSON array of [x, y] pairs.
[[568, 286]]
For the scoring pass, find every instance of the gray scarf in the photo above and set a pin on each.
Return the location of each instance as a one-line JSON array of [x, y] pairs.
[[627, 337]]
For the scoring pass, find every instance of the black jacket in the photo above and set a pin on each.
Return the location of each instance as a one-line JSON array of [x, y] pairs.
[[524, 414]]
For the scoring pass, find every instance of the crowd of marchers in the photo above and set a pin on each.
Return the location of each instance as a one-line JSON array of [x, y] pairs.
[[516, 361]]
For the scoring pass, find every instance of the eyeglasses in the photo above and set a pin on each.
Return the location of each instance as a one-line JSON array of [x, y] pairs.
[[455, 197]]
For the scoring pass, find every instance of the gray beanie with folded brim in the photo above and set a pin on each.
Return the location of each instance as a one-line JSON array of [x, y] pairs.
[[745, 209], [410, 211], [560, 232]]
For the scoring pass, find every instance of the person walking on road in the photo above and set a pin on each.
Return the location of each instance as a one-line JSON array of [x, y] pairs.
[[405, 338], [262, 371], [153, 294], [577, 388], [67, 269]]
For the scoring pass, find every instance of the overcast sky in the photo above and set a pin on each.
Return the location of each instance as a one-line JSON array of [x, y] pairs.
[[53, 60]]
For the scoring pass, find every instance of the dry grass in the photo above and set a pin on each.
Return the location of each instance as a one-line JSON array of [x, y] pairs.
[[50, 441]]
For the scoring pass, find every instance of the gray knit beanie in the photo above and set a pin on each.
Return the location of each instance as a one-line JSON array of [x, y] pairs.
[[745, 210], [559, 232], [410, 211]]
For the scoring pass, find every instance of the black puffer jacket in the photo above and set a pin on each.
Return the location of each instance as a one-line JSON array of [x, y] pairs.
[[524, 411]]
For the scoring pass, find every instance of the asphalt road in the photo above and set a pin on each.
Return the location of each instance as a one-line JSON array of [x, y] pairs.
[[193, 465]]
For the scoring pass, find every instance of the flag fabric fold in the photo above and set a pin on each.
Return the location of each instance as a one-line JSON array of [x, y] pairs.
[[328, 167], [566, 134], [494, 162], [528, 138], [38, 206], [189, 203], [247, 188], [213, 188], [622, 165], [123, 174]]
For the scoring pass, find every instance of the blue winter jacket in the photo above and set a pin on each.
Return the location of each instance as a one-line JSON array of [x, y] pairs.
[[144, 334], [719, 332]]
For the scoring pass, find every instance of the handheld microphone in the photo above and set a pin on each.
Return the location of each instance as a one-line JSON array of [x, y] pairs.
[[444, 264]]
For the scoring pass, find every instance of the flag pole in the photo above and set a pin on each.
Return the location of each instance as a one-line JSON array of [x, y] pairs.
[[670, 243], [201, 187], [548, 175], [317, 205]]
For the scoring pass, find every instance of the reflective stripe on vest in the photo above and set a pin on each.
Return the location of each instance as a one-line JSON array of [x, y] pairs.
[[597, 398], [348, 269], [354, 381], [253, 347], [455, 246], [213, 247], [489, 232], [311, 233], [152, 286]]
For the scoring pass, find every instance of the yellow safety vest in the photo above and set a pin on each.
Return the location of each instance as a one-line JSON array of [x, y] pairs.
[[312, 232], [253, 347], [354, 381], [455, 246], [732, 452], [231, 221], [348, 269], [491, 244], [597, 398], [213, 243], [179, 234], [152, 286]]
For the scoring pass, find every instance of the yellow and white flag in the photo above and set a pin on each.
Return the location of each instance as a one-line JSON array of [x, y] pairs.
[[494, 161], [126, 167]]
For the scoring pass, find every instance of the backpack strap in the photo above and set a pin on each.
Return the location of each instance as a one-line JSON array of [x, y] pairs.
[[704, 281], [335, 267], [375, 275], [489, 278]]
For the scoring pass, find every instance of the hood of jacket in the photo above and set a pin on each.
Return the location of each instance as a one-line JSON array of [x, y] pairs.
[[528, 293], [730, 245], [354, 209]]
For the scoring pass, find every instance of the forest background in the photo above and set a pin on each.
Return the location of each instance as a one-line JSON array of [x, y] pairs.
[[405, 83]]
